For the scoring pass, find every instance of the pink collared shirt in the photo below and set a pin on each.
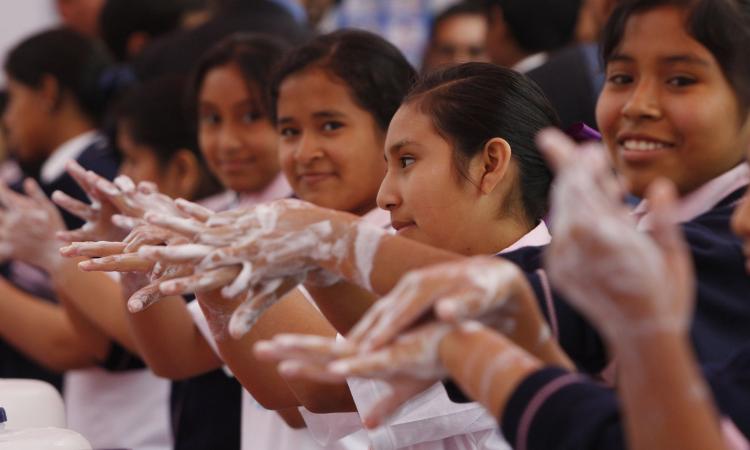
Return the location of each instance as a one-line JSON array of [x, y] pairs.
[[537, 237], [278, 188], [700, 200]]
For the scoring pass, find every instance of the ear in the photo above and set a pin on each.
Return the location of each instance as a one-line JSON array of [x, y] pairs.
[[183, 174], [136, 42], [49, 93], [496, 20], [495, 162]]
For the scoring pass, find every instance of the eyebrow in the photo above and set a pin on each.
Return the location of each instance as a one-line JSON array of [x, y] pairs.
[[687, 58], [326, 114], [401, 144]]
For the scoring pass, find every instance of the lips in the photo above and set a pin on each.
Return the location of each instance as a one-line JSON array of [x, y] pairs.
[[642, 148], [402, 225], [312, 178]]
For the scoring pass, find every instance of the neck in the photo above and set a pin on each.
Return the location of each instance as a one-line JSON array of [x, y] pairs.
[[497, 235], [66, 128]]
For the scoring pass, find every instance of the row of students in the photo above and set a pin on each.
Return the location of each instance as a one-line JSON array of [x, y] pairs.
[[648, 135], [393, 256]]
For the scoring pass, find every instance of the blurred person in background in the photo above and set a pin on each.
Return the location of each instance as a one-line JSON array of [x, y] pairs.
[[81, 15], [458, 35]]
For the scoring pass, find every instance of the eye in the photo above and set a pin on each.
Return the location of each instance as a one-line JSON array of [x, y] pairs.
[[332, 126], [209, 119], [288, 132], [251, 116], [681, 81], [406, 161], [619, 79]]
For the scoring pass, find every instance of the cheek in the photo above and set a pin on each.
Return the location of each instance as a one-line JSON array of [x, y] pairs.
[[286, 161]]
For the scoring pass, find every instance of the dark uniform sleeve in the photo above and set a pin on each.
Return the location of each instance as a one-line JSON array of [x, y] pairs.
[[557, 410]]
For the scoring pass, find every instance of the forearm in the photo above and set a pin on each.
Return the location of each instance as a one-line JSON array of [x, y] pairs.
[[169, 341], [42, 330], [97, 297], [666, 401], [485, 365], [343, 304], [293, 314]]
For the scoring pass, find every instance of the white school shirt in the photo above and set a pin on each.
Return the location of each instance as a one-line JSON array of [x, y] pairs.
[[430, 420]]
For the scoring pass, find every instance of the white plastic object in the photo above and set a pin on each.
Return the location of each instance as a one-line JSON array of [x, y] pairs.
[[47, 438], [31, 404]]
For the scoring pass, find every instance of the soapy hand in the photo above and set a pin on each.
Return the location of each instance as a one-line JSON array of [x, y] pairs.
[[271, 245], [639, 284], [488, 289], [28, 225], [409, 366]]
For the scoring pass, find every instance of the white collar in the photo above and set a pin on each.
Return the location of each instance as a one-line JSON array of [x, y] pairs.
[[530, 62], [69, 150], [537, 237], [700, 200]]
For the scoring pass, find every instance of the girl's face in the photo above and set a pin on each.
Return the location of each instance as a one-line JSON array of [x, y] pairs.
[[330, 148], [422, 190], [26, 121], [236, 137], [139, 162], [666, 109]]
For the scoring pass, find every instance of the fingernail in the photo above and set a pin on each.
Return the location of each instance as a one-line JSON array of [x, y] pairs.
[[340, 367], [289, 367]]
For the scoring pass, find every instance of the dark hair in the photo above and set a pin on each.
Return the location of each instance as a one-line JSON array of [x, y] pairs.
[[119, 19], [155, 118], [377, 74], [540, 25], [79, 65], [722, 26], [153, 113], [466, 7], [471, 103], [255, 55]]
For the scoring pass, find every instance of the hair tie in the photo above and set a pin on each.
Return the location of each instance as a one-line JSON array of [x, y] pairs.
[[580, 132]]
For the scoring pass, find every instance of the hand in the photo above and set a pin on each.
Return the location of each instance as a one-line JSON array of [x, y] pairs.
[[409, 366], [284, 240], [97, 215], [488, 289], [28, 227], [626, 282]]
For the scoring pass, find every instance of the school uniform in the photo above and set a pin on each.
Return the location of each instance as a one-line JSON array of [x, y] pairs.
[[119, 404], [722, 311], [555, 409]]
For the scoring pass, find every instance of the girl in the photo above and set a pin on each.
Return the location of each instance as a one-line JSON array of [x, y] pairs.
[[239, 143], [642, 114], [488, 171], [52, 117]]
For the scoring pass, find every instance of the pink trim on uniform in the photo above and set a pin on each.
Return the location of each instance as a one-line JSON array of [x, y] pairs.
[[734, 439], [537, 401], [544, 281]]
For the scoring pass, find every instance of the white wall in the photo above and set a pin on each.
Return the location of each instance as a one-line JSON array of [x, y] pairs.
[[20, 18]]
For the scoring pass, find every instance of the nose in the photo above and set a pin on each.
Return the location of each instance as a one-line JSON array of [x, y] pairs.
[[229, 138], [741, 219], [388, 195], [643, 102], [308, 149]]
